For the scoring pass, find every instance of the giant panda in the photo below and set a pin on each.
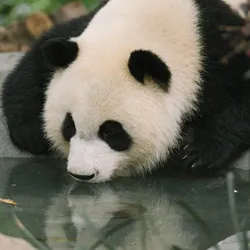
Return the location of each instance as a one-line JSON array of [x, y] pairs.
[[119, 91]]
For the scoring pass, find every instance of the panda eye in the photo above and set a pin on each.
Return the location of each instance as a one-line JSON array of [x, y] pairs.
[[68, 127], [115, 136]]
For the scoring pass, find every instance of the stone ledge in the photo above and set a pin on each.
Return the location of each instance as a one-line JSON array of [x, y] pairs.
[[7, 242], [7, 62]]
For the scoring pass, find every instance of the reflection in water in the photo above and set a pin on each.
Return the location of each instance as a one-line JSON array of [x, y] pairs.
[[131, 216], [123, 214]]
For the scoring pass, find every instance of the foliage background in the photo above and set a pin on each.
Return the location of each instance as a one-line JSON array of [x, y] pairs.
[[11, 10]]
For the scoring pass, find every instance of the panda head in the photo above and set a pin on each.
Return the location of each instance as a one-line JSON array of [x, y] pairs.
[[115, 105]]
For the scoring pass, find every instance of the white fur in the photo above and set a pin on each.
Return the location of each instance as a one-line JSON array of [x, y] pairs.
[[98, 86], [236, 5]]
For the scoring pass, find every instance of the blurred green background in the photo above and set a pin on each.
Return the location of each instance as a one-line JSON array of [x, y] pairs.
[[11, 10]]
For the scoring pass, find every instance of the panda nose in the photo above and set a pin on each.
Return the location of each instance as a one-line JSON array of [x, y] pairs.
[[83, 177]]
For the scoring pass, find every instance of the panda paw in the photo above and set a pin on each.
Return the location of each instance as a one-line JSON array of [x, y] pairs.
[[204, 153]]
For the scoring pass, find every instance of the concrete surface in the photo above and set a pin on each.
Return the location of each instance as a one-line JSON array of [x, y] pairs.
[[7, 62], [11, 243]]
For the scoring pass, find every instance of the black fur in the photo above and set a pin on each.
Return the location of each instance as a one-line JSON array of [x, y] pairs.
[[59, 52], [220, 131], [115, 136], [144, 63], [68, 127], [23, 91]]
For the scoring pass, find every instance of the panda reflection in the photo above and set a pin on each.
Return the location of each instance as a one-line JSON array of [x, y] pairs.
[[138, 217], [115, 91]]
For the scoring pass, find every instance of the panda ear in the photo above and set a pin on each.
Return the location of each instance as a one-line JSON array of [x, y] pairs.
[[59, 52], [144, 63]]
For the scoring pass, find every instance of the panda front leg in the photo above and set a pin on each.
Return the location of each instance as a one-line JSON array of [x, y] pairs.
[[215, 143]]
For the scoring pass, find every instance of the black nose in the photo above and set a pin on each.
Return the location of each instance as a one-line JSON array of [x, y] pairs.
[[83, 177]]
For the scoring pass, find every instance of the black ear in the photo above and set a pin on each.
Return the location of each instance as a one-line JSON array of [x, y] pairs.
[[59, 52], [145, 63]]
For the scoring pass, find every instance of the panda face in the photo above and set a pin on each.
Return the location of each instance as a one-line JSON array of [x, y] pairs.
[[105, 132], [115, 105]]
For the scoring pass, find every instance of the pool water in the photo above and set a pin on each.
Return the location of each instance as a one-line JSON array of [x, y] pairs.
[[136, 213]]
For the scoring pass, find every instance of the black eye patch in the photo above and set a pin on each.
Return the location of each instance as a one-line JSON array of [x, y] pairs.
[[115, 136], [68, 127]]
